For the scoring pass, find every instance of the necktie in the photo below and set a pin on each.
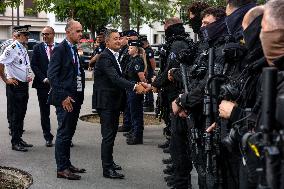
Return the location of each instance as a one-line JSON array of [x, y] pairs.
[[50, 49], [75, 54]]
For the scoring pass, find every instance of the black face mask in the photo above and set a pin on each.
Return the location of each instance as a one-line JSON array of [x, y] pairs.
[[195, 24], [251, 33], [174, 30], [234, 21], [214, 30]]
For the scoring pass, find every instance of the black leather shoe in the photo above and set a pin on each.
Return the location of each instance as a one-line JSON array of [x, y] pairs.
[[112, 174], [71, 144], [134, 140], [164, 145], [116, 167], [67, 174], [19, 147], [128, 134], [169, 178], [76, 170], [167, 161], [169, 170], [166, 150], [48, 143], [123, 129], [25, 144], [10, 132]]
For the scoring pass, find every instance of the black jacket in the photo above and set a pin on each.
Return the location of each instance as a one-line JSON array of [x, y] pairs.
[[62, 75], [109, 85], [39, 65]]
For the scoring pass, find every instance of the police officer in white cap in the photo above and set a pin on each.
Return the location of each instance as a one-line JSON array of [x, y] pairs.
[[17, 75]]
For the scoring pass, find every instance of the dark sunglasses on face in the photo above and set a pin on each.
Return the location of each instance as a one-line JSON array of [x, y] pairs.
[[46, 34]]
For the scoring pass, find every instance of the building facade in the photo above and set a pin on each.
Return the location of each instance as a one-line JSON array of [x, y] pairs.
[[27, 16]]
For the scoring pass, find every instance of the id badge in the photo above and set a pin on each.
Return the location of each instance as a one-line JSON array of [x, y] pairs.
[[79, 84]]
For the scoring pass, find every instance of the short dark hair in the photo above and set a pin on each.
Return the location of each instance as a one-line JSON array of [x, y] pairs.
[[197, 7], [108, 32], [239, 3], [214, 11]]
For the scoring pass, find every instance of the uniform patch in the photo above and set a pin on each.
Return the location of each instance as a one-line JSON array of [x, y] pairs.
[[137, 67], [20, 61], [172, 55], [7, 53], [13, 46]]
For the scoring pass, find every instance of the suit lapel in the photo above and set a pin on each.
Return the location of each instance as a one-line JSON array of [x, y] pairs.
[[43, 51], [70, 56], [115, 63]]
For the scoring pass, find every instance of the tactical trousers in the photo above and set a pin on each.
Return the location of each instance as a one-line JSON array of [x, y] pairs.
[[17, 100], [199, 159], [180, 152]]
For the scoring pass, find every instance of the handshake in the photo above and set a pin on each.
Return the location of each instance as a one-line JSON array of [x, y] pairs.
[[143, 88]]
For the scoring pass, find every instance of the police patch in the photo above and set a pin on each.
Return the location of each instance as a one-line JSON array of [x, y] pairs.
[[137, 67], [7, 53]]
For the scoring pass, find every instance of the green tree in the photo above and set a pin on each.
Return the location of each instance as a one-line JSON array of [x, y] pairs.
[[146, 12], [92, 14]]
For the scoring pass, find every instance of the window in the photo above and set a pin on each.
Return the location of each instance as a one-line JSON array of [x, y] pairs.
[[163, 39], [29, 9], [155, 39]]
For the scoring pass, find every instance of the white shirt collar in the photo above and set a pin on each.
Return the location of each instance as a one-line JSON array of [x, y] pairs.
[[115, 54]]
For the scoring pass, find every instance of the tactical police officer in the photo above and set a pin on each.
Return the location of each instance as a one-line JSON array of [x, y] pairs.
[[16, 61]]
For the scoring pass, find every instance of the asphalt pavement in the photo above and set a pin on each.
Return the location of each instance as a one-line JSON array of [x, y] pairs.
[[141, 163]]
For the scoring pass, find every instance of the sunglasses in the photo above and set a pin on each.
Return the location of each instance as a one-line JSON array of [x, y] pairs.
[[46, 34]]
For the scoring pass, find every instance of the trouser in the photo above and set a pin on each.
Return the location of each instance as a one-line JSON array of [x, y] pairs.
[[199, 157], [126, 115], [67, 122], [109, 120], [42, 95], [17, 100], [180, 152], [149, 97], [135, 109], [9, 109]]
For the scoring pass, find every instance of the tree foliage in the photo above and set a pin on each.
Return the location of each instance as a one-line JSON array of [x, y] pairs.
[[146, 12], [92, 14]]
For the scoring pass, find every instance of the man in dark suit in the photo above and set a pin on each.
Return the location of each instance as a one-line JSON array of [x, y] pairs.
[[67, 81], [109, 99], [39, 64]]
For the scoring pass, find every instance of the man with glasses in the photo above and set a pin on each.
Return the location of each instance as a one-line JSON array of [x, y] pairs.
[[17, 75], [39, 64]]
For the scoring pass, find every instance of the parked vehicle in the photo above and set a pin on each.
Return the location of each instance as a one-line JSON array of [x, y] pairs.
[[85, 50]]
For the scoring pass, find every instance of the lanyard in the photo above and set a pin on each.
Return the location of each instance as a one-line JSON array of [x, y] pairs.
[[75, 56], [22, 52]]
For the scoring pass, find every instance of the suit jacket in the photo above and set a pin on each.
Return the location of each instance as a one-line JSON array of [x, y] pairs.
[[39, 65], [62, 74], [109, 85]]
